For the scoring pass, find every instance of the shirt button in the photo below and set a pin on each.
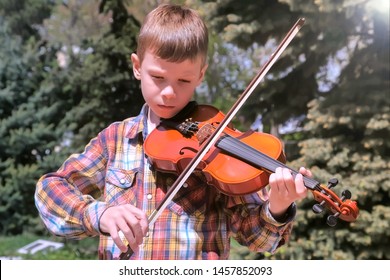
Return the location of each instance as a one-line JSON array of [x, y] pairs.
[[149, 196], [122, 181], [169, 181]]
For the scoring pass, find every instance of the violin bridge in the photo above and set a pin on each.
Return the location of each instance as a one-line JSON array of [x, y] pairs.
[[204, 132], [188, 128]]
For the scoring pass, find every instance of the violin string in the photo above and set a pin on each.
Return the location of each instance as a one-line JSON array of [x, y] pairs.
[[260, 160], [248, 154]]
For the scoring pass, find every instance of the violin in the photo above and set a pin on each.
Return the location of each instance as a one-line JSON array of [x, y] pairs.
[[238, 163]]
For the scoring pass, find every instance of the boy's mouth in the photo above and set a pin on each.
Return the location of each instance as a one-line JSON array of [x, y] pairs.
[[166, 107]]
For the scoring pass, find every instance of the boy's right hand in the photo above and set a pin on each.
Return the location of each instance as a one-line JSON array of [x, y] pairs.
[[128, 219]]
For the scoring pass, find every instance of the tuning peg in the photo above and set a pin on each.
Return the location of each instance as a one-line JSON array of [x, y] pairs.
[[332, 183], [318, 207], [346, 194], [332, 219]]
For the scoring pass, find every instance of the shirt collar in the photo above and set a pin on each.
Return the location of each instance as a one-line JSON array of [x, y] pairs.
[[140, 124]]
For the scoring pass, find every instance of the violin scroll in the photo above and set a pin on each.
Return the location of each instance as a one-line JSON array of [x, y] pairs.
[[341, 207]]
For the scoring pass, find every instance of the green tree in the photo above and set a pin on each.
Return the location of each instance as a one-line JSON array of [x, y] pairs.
[[57, 93], [348, 136], [22, 69], [24, 16], [259, 26], [98, 75]]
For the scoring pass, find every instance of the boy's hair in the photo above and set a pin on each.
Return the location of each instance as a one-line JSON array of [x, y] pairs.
[[174, 33]]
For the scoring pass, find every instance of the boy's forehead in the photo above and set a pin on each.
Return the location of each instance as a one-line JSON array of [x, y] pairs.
[[153, 53]]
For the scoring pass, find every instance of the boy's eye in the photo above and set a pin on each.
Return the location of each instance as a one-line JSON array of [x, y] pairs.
[[157, 77], [184, 81]]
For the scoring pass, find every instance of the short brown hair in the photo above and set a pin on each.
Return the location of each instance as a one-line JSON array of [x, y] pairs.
[[174, 33]]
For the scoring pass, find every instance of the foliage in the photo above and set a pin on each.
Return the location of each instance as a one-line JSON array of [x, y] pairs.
[[348, 132], [24, 16], [49, 109], [22, 70], [347, 124], [259, 26]]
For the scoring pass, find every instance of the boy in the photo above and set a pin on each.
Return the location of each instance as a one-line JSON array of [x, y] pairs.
[[111, 188]]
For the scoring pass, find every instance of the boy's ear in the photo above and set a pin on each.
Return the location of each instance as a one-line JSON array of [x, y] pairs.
[[136, 66], [202, 73]]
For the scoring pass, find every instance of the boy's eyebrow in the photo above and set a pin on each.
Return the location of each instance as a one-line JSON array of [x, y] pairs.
[[188, 74]]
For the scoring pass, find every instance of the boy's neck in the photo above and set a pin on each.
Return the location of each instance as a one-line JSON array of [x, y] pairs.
[[153, 120]]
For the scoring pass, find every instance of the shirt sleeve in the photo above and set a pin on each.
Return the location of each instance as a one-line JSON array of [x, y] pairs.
[[66, 199], [253, 225]]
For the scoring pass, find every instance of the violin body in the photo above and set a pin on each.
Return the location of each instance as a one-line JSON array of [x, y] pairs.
[[169, 151]]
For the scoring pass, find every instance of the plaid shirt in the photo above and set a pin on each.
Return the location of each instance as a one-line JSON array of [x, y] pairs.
[[197, 224]]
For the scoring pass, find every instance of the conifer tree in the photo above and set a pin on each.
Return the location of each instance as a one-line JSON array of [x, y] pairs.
[[51, 108], [23, 67], [348, 138], [100, 80]]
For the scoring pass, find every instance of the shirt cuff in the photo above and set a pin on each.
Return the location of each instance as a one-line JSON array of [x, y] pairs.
[[92, 217], [286, 218]]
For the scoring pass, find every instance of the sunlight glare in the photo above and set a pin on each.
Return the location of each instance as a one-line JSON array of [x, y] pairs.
[[380, 5]]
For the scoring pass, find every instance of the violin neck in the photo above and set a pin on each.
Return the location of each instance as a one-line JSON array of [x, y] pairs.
[[240, 150]]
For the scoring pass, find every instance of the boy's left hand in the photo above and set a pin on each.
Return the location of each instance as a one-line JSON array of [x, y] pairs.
[[285, 189]]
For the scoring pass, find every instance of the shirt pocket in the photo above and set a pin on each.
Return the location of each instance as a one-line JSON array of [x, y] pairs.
[[193, 201], [120, 185]]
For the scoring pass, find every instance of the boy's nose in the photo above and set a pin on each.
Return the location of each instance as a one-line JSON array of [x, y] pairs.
[[168, 92]]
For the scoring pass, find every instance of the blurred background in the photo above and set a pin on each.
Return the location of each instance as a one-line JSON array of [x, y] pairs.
[[65, 74]]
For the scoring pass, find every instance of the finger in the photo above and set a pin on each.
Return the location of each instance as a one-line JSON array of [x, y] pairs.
[[272, 181], [300, 188], [280, 182], [288, 180], [117, 239], [142, 221], [275, 179], [305, 172], [133, 230], [127, 233]]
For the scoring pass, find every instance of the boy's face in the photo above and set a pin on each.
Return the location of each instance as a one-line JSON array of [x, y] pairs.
[[167, 86]]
